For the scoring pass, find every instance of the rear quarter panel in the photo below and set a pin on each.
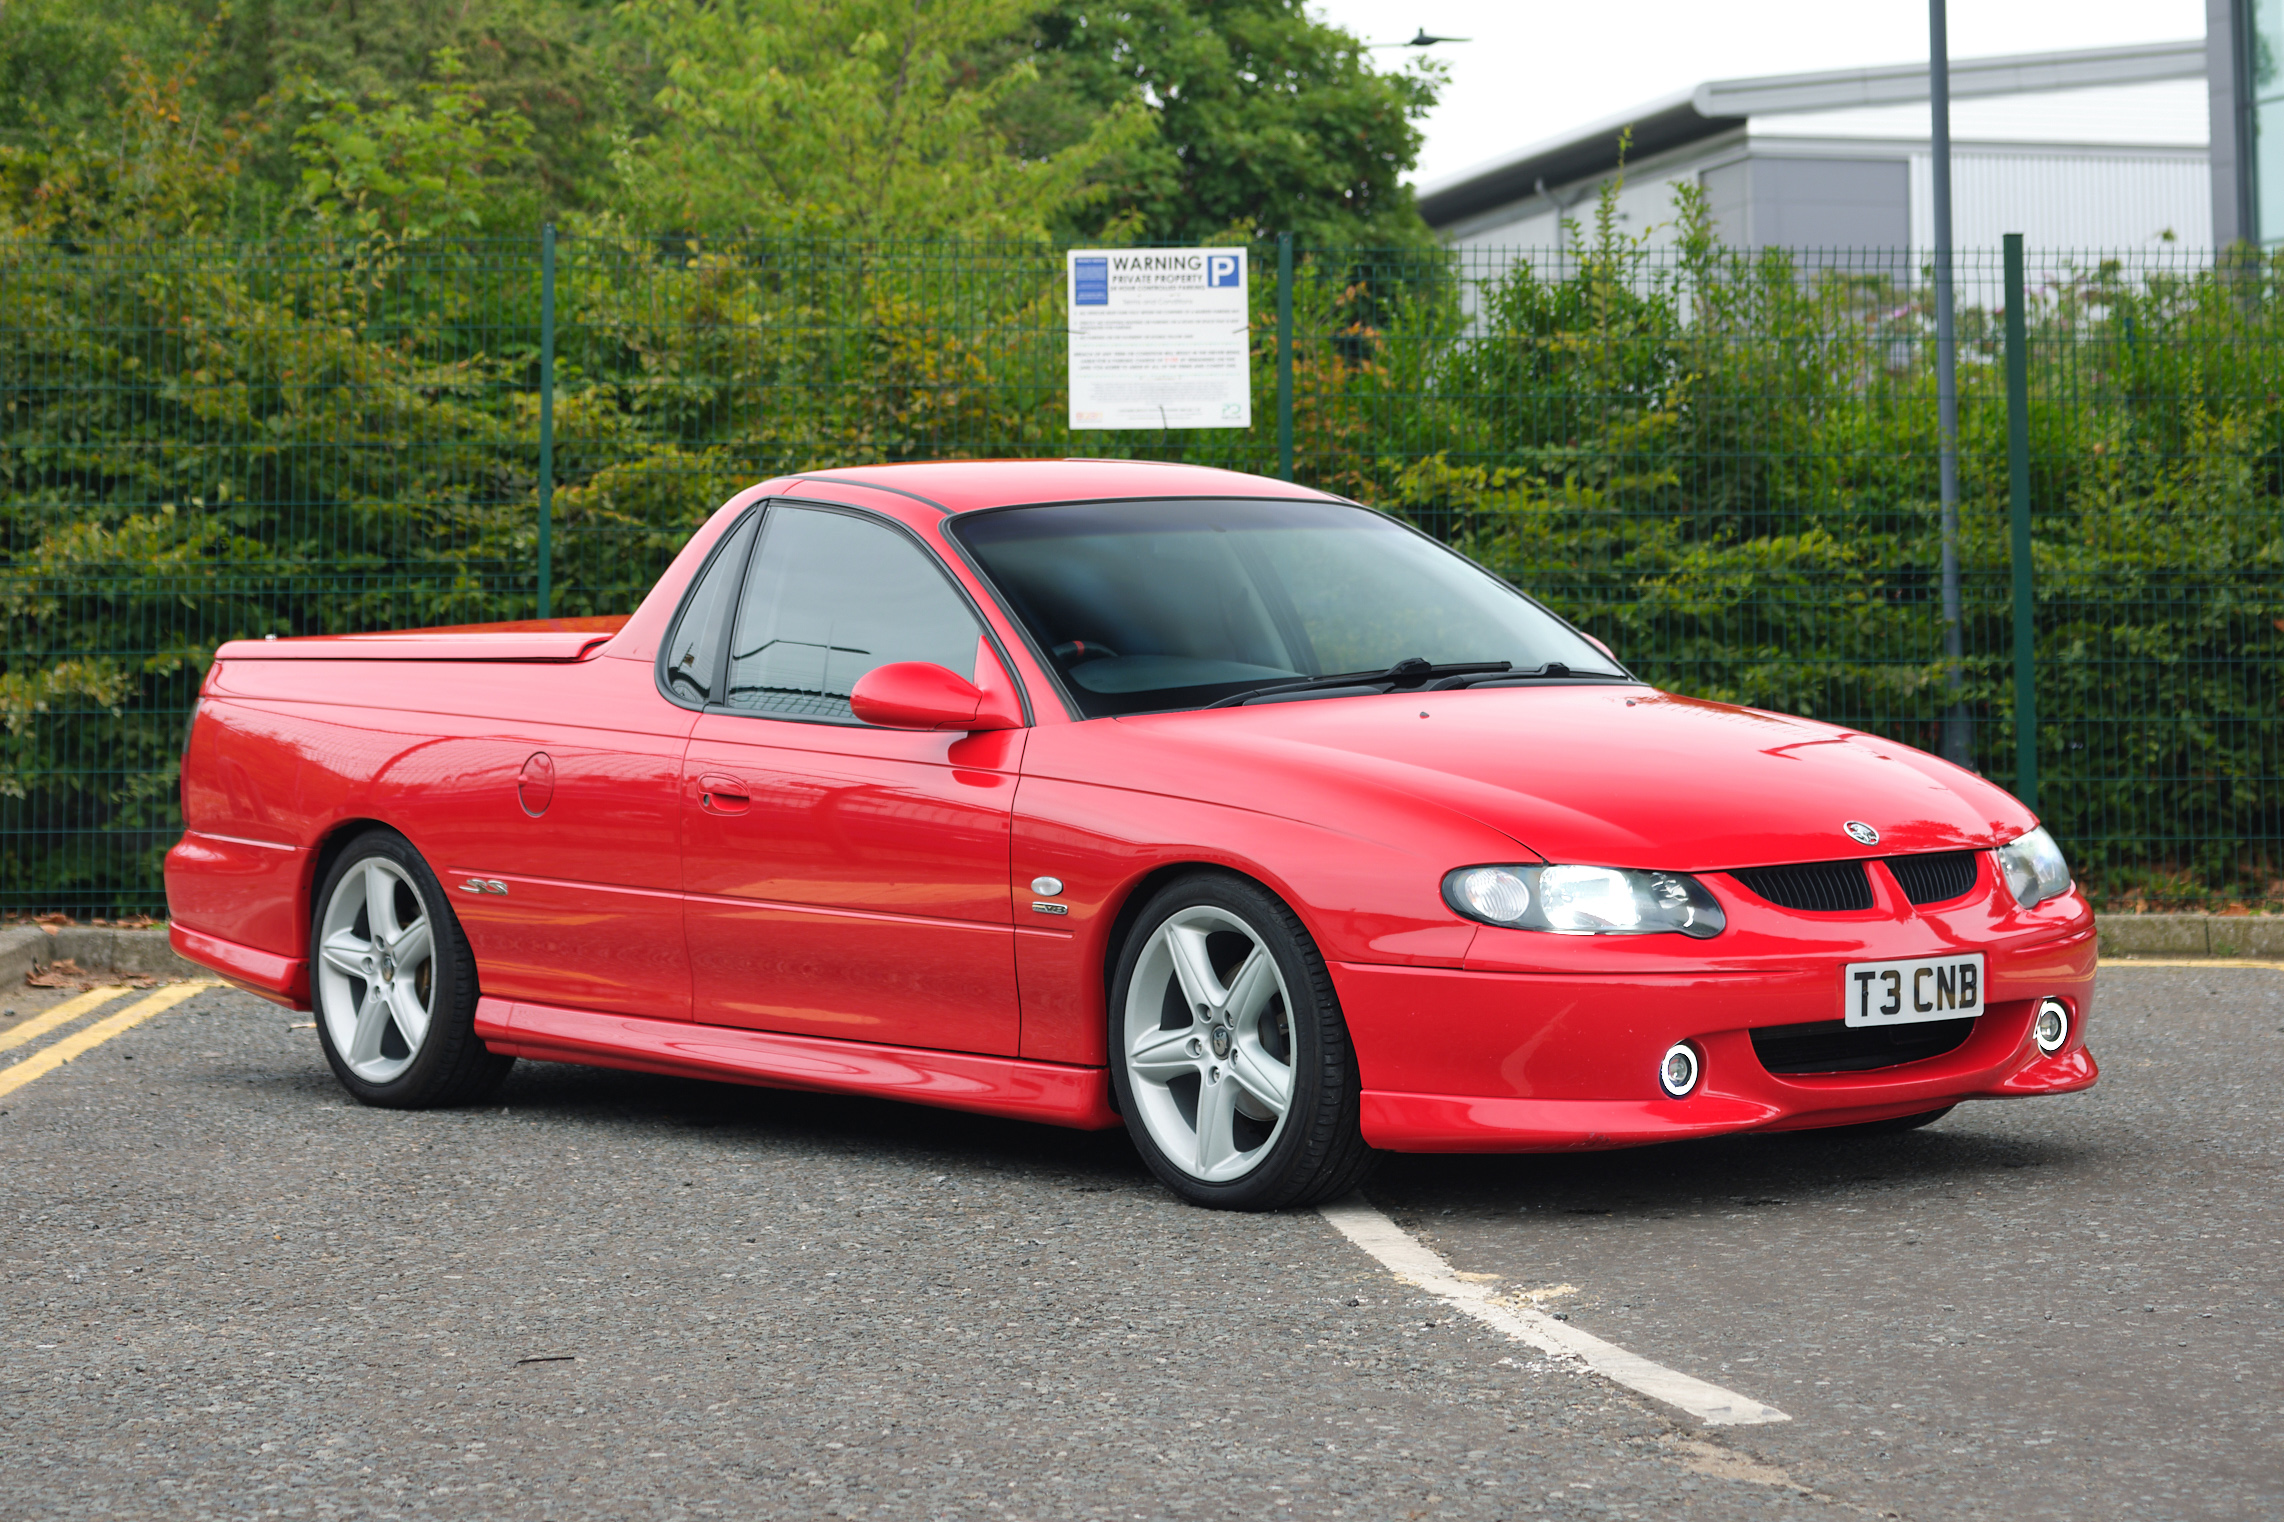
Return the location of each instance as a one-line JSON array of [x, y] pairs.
[[288, 753], [263, 780], [285, 753]]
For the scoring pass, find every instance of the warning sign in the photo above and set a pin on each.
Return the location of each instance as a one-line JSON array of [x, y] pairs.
[[1159, 338]]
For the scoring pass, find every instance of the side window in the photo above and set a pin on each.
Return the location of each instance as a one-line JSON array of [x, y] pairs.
[[829, 597], [694, 649]]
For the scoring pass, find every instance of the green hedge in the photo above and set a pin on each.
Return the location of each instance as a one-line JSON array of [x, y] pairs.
[[1721, 463]]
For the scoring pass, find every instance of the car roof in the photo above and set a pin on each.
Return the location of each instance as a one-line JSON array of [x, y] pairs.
[[960, 486]]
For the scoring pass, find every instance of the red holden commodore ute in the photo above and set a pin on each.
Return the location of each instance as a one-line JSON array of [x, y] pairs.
[[1108, 793]]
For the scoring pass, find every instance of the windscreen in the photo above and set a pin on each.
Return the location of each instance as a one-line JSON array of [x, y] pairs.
[[1146, 606]]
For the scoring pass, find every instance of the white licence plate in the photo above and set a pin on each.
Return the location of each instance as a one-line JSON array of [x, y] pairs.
[[1904, 993]]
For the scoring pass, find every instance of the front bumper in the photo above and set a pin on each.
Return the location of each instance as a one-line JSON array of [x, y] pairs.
[[1462, 1060]]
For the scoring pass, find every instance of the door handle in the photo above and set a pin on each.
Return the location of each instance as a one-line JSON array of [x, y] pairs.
[[718, 794]]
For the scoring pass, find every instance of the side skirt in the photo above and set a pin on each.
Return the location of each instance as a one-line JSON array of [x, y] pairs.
[[1048, 1092]]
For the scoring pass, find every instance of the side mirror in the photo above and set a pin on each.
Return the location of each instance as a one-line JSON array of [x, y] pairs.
[[1605, 649], [924, 695]]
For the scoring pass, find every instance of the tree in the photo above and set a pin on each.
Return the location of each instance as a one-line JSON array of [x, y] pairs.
[[860, 118], [407, 169], [269, 67], [60, 61], [1161, 119], [552, 63], [1266, 120]]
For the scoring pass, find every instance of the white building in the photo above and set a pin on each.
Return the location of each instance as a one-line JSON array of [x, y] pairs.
[[2104, 149]]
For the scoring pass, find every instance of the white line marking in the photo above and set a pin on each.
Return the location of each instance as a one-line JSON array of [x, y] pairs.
[[1414, 1262]]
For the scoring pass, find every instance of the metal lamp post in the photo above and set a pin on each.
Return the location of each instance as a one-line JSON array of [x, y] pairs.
[[1958, 743]]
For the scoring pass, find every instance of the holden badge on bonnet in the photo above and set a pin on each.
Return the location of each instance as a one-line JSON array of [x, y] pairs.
[[1862, 833]]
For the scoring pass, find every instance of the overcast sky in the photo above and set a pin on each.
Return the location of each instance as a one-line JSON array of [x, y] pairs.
[[1533, 69]]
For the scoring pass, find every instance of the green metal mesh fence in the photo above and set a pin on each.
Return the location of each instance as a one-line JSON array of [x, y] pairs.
[[1722, 464]]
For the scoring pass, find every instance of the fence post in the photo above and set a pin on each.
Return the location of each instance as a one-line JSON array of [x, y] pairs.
[[1284, 356], [2018, 502], [546, 414]]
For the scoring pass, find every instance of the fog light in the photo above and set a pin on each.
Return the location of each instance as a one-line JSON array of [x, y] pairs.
[[2052, 1027], [1677, 1069]]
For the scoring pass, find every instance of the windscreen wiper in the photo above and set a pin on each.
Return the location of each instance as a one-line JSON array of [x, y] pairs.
[[1555, 669], [1408, 673]]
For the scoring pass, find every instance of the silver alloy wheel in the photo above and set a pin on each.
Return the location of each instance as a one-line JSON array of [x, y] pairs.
[[1209, 1043], [376, 971]]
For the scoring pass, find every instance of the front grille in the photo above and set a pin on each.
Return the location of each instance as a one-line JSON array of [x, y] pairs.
[[1934, 879], [1837, 887], [1819, 887], [1834, 1046]]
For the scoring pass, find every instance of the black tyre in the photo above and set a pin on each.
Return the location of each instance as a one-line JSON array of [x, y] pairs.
[[1230, 1059], [393, 982]]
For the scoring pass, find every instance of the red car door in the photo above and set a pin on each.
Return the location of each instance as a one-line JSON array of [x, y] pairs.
[[840, 879]]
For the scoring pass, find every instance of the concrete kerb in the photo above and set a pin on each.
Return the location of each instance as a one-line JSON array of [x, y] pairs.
[[25, 949], [2219, 936]]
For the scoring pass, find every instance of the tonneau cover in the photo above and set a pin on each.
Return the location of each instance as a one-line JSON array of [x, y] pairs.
[[559, 647]]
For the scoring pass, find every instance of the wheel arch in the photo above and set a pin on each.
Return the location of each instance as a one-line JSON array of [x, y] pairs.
[[322, 856], [1143, 888]]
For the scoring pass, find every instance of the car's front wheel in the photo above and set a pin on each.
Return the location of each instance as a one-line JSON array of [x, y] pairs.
[[1230, 1059], [395, 983]]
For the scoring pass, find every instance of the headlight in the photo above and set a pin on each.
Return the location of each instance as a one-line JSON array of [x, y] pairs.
[[1584, 900], [2034, 868]]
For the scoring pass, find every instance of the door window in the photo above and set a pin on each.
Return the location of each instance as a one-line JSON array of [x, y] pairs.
[[829, 597]]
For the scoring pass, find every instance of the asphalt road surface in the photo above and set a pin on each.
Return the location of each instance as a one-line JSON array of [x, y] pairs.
[[225, 1290]]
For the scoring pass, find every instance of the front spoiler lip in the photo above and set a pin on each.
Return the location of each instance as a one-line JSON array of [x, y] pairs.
[[1401, 1122]]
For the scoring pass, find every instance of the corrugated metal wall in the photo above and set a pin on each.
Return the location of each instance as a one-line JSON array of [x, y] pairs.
[[2068, 200]]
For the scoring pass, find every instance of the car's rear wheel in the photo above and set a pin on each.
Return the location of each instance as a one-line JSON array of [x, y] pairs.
[[1230, 1059], [394, 982]]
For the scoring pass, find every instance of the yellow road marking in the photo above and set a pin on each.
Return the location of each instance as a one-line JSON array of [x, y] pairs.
[[2187, 962], [48, 1058], [63, 1014]]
